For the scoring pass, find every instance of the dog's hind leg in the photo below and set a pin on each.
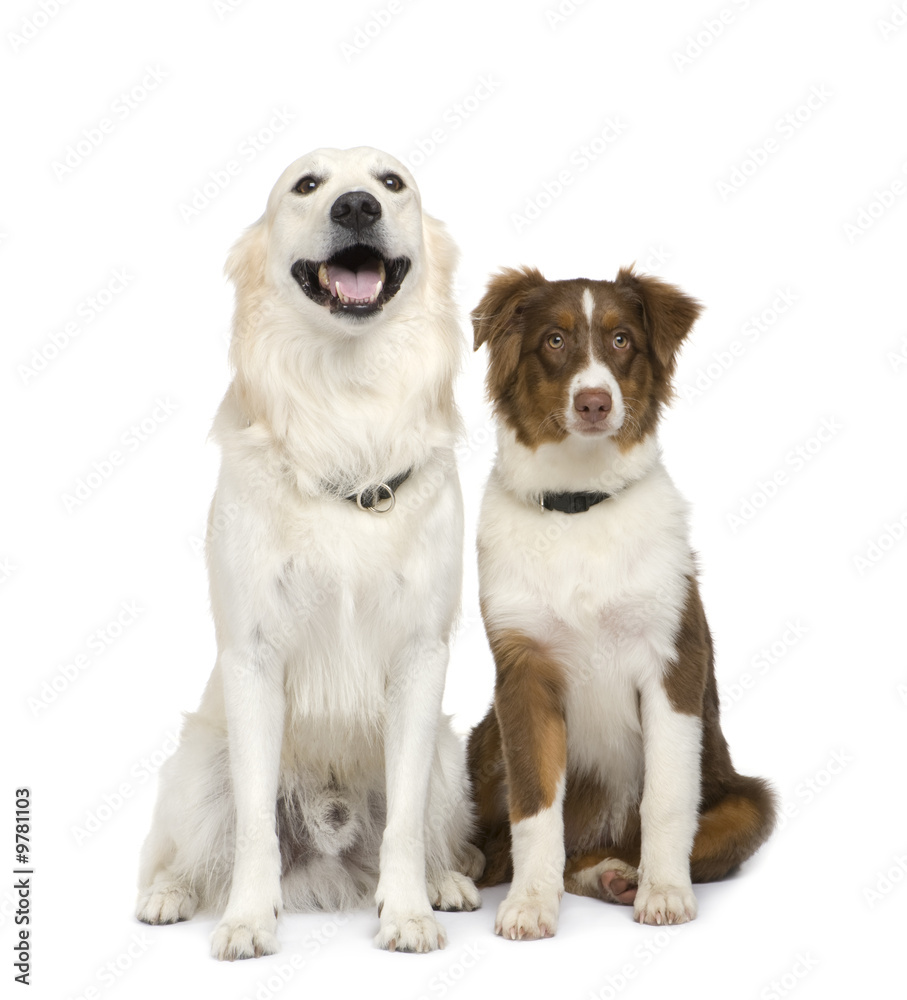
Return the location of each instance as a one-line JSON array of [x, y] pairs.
[[729, 831], [167, 900], [452, 862], [488, 781], [165, 896], [611, 874], [184, 861]]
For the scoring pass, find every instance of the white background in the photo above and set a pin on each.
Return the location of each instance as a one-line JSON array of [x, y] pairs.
[[512, 96]]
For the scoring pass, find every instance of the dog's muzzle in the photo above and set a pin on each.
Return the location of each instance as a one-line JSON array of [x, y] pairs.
[[357, 281]]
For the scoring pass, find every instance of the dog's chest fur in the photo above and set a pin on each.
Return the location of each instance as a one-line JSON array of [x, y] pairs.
[[343, 589], [604, 591]]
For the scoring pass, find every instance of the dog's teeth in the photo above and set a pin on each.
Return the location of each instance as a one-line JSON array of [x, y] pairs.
[[382, 274], [378, 288], [323, 278], [340, 295]]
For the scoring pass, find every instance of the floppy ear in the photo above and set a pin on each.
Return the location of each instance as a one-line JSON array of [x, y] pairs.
[[668, 314], [441, 254], [245, 265], [502, 302], [497, 319]]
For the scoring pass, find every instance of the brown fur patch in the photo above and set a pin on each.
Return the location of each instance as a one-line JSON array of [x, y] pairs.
[[529, 706], [586, 809], [566, 320], [686, 677], [585, 802]]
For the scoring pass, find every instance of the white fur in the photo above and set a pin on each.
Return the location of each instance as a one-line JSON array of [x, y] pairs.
[[532, 906], [669, 809], [332, 623], [604, 590], [588, 304]]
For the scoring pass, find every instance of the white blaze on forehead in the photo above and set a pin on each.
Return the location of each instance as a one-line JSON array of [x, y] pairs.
[[588, 304]]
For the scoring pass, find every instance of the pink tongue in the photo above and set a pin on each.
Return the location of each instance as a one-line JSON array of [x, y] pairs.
[[361, 284]]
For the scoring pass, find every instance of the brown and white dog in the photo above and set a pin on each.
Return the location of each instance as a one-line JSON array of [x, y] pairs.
[[601, 766]]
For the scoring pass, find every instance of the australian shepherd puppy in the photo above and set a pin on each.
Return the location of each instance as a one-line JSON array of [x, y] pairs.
[[601, 766]]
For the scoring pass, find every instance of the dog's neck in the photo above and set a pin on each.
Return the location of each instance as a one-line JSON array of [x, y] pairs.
[[572, 465], [347, 410]]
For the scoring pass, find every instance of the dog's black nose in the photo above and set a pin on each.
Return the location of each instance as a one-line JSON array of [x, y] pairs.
[[356, 210]]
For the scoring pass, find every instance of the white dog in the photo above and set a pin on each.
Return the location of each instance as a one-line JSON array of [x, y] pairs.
[[318, 771]]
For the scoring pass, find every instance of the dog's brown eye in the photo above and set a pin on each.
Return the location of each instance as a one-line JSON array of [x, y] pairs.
[[307, 184], [556, 341], [621, 340], [393, 182]]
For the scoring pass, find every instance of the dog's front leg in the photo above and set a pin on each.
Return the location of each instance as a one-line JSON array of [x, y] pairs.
[[414, 691], [669, 811], [254, 703], [528, 702]]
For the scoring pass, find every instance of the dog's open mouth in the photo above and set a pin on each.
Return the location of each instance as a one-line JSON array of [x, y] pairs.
[[358, 280]]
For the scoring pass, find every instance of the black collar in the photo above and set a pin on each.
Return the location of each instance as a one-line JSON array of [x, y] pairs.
[[383, 493], [571, 503]]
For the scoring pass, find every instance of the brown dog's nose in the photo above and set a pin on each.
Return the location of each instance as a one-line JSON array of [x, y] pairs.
[[592, 404]]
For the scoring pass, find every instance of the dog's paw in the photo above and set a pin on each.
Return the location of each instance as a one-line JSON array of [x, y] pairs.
[[166, 903], [418, 932], [452, 891], [619, 882], [237, 939], [664, 904], [528, 915]]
